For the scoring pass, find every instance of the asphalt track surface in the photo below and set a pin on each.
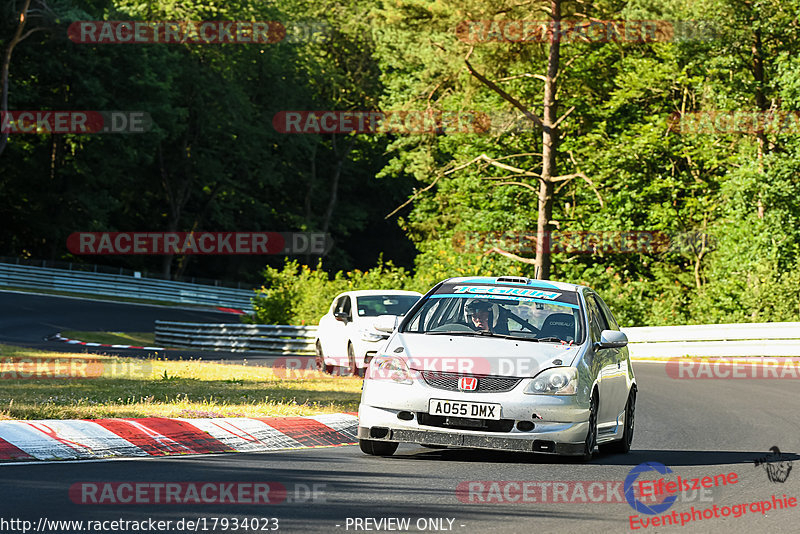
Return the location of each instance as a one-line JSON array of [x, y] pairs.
[[27, 319], [696, 427]]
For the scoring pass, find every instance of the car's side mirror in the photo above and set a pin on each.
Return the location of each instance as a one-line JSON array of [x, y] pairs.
[[612, 339], [386, 324], [341, 316]]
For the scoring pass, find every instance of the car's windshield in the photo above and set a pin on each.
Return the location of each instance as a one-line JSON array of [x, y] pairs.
[[374, 305], [523, 312]]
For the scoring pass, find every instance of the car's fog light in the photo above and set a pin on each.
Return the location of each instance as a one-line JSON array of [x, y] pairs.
[[378, 432], [542, 445], [525, 426], [405, 416]]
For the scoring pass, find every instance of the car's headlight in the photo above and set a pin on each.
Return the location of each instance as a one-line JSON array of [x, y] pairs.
[[555, 381], [384, 367], [369, 335]]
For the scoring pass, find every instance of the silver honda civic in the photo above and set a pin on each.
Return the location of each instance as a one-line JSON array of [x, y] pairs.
[[502, 363]]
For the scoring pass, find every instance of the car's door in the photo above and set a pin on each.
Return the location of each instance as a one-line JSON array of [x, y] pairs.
[[343, 329], [334, 332], [606, 362], [326, 328], [617, 377]]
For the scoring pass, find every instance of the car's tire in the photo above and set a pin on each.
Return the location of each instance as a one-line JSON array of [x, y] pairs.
[[351, 361], [377, 448], [623, 446], [591, 434], [320, 361]]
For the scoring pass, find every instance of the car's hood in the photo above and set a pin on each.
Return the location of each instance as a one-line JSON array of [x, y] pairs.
[[479, 355]]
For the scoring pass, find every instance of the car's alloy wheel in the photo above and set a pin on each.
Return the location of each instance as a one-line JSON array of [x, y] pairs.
[[320, 361], [591, 433], [351, 359], [623, 445], [377, 448]]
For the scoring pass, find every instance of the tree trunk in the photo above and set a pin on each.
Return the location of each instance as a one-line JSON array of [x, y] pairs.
[[549, 148], [762, 106], [177, 191], [337, 173], [309, 195], [18, 36]]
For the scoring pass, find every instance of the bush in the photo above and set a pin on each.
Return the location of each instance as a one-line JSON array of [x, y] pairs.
[[299, 295]]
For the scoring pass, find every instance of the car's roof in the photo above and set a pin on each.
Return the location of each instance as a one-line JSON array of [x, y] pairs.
[[368, 292], [514, 280]]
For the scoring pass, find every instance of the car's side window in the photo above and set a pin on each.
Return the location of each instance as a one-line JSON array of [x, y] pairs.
[[612, 323], [347, 308], [596, 320], [343, 305]]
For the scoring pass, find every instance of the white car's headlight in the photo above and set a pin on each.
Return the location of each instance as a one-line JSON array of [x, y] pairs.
[[384, 367], [369, 335], [555, 381]]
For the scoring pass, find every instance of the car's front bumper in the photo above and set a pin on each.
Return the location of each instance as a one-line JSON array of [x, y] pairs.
[[560, 423], [454, 439]]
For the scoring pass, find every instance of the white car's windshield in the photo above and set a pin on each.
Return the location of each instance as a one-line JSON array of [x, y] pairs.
[[375, 305], [528, 313]]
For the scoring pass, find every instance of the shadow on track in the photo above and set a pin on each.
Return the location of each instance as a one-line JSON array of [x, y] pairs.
[[635, 457]]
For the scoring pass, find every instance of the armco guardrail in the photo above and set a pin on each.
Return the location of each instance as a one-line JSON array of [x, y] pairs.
[[275, 340], [747, 339], [24, 276], [715, 340]]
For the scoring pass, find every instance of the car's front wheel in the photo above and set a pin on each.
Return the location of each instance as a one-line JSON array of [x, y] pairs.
[[377, 448], [351, 361], [623, 446], [320, 360]]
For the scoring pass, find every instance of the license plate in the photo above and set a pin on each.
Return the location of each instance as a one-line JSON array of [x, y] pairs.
[[473, 410]]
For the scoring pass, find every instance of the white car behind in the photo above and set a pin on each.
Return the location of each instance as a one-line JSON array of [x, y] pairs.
[[347, 335]]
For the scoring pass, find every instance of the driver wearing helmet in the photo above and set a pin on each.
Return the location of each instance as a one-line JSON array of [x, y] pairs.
[[479, 315]]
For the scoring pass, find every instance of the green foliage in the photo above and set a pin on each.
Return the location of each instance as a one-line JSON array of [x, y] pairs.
[[298, 294], [214, 162]]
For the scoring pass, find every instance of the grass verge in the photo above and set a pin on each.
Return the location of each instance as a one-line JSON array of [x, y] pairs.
[[32, 386]]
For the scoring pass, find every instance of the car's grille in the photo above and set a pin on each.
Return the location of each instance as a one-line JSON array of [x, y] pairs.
[[486, 384], [459, 423]]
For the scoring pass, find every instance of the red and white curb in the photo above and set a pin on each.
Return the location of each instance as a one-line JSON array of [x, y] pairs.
[[156, 436], [59, 337]]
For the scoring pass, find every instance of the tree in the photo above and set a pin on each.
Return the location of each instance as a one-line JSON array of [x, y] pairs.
[[40, 11]]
